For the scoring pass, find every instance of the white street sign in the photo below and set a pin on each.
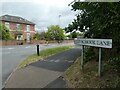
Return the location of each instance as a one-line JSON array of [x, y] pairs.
[[104, 43], [101, 43]]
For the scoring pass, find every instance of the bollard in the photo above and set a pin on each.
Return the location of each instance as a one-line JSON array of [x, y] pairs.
[[37, 49]]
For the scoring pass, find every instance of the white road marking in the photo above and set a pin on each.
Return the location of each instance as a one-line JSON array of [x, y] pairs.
[[70, 61], [45, 60], [66, 60], [57, 61], [51, 60], [10, 48], [27, 47]]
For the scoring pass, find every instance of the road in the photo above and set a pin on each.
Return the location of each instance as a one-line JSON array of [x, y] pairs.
[[46, 73], [13, 55]]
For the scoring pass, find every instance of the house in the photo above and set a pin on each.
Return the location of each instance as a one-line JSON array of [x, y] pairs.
[[19, 27]]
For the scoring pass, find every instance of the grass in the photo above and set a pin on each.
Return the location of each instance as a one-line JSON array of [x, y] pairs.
[[44, 53], [88, 77]]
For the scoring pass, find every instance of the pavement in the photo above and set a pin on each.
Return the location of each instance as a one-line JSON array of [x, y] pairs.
[[47, 73]]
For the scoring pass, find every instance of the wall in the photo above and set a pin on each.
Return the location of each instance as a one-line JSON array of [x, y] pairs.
[[15, 42], [11, 42]]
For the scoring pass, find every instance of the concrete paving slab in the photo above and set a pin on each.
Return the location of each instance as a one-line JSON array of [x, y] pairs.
[[32, 77]]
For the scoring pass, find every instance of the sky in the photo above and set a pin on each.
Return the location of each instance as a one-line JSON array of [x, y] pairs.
[[42, 12]]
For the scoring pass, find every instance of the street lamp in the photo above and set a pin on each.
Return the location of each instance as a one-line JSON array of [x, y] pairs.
[[59, 19], [76, 1]]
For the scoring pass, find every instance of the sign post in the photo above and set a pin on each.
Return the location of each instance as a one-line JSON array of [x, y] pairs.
[[100, 62], [101, 43], [82, 57]]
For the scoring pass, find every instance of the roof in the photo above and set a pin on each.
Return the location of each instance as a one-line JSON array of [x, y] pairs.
[[16, 19]]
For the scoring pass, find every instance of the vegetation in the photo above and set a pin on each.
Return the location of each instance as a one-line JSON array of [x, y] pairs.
[[44, 53], [98, 20], [55, 33], [5, 33], [88, 77], [39, 36], [74, 34]]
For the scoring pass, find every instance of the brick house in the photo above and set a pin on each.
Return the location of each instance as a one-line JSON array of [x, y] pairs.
[[19, 27]]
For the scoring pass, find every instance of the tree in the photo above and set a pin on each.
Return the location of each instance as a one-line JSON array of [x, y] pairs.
[[4, 33], [69, 36], [74, 34], [55, 33], [97, 17], [99, 20], [72, 26], [39, 36]]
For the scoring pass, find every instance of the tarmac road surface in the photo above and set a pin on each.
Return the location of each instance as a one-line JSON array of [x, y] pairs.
[[13, 55], [46, 73]]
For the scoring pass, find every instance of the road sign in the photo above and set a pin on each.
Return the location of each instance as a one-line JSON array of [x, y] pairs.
[[104, 43], [101, 43]]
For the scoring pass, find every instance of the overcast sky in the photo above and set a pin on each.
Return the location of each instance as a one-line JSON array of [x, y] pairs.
[[42, 12]]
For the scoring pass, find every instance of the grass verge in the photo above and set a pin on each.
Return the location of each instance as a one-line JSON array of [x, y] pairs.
[[88, 77], [44, 53]]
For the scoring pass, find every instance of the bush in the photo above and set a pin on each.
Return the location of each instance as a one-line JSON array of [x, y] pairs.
[[91, 53], [115, 62], [5, 33]]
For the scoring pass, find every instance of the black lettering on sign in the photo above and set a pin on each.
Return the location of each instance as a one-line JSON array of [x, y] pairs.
[[94, 42], [106, 43], [101, 43], [98, 43]]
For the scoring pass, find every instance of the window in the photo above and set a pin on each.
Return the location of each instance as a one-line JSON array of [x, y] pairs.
[[18, 26], [19, 37], [7, 25], [28, 37], [28, 28]]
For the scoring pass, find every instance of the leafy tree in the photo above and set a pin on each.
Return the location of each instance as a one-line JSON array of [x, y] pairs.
[[69, 36], [99, 20], [74, 34], [55, 33], [4, 32], [39, 36], [80, 34], [72, 26], [36, 36]]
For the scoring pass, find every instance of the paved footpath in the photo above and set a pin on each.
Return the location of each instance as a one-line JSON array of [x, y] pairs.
[[46, 73]]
